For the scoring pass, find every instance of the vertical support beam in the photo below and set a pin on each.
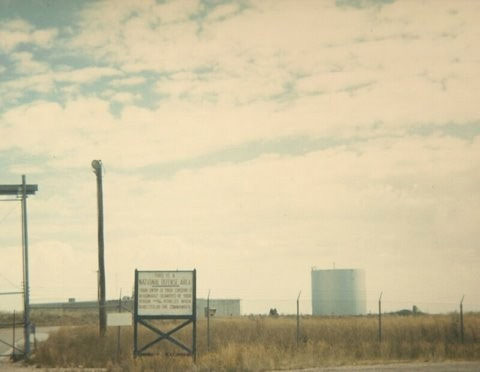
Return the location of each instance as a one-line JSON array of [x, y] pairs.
[[194, 310], [208, 321], [97, 166], [118, 330], [26, 287], [380, 318], [462, 334], [298, 318], [13, 334], [135, 316]]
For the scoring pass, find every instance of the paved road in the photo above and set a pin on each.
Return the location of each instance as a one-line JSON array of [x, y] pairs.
[[402, 367], [397, 367], [42, 333], [9, 367], [6, 335]]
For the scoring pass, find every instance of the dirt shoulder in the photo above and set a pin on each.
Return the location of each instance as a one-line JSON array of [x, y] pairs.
[[401, 367], [20, 367]]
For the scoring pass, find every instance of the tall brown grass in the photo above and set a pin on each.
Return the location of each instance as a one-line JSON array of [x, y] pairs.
[[51, 317], [262, 343]]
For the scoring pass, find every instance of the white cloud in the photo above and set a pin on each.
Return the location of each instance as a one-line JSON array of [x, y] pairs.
[[59, 271], [178, 130], [382, 207], [45, 128], [124, 97], [130, 81], [40, 79], [223, 11], [85, 75], [114, 33], [175, 11], [17, 24], [26, 169], [386, 200], [393, 58], [16, 32], [10, 39], [26, 64], [44, 38]]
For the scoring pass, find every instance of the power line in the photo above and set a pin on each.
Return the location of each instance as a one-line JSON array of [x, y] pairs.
[[8, 280], [8, 214], [3, 219]]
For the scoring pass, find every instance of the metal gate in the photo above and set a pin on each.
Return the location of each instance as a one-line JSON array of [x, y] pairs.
[[11, 336]]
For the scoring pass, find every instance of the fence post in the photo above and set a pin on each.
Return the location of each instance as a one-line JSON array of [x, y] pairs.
[[34, 331], [380, 318], [26, 285], [298, 317], [118, 331], [13, 337], [461, 321], [208, 321]]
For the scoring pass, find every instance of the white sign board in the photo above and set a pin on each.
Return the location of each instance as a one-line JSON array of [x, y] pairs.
[[119, 319], [165, 293]]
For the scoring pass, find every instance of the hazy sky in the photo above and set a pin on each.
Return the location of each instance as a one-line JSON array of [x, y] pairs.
[[251, 140]]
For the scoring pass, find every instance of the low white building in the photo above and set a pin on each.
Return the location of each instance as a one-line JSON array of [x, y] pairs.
[[223, 307], [220, 306]]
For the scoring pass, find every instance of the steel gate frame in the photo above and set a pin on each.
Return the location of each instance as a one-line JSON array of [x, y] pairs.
[[13, 326]]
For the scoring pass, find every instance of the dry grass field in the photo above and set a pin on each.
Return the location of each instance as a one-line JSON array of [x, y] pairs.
[[53, 317], [263, 343]]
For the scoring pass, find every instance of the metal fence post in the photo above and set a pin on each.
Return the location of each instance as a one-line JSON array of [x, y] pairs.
[[298, 317], [26, 289], [135, 316], [194, 316], [462, 334], [13, 336], [380, 318], [118, 332], [208, 321]]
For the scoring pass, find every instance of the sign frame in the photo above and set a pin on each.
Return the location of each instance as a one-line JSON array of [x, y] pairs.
[[145, 319]]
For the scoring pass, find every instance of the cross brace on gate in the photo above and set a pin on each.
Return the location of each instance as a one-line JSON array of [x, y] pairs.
[[14, 348], [165, 336]]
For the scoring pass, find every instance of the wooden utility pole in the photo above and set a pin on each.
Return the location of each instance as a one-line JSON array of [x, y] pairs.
[[97, 166]]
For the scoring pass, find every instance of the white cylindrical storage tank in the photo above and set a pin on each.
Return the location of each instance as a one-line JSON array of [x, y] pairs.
[[338, 292]]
